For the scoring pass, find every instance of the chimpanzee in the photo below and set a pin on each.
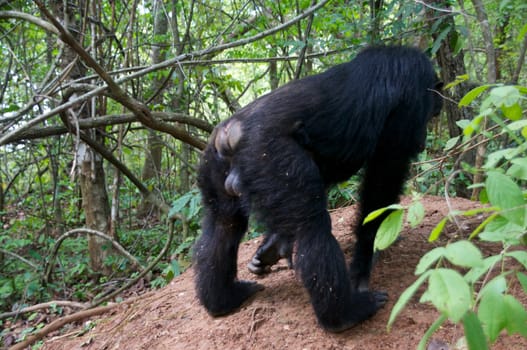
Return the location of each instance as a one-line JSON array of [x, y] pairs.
[[276, 158]]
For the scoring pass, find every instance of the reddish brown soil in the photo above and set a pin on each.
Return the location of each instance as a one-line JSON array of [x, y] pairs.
[[280, 317]]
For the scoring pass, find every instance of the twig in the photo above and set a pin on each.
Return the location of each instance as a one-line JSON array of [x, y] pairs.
[[133, 281], [117, 246], [46, 305], [24, 260]]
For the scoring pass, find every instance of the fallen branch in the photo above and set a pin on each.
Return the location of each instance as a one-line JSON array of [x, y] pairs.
[[59, 323], [47, 305]]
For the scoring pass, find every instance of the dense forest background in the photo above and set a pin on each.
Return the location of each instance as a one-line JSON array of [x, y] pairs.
[[106, 105]]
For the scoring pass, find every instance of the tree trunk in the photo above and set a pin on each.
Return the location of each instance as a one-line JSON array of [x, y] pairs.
[[153, 152], [452, 65], [89, 164], [95, 204]]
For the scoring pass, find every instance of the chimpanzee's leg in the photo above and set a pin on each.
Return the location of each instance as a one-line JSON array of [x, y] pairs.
[[216, 251], [322, 268], [273, 248], [290, 196], [382, 184]]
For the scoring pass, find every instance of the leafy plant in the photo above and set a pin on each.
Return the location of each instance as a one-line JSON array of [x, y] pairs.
[[462, 284]]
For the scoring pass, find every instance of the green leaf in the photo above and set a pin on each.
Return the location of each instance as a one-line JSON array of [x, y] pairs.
[[501, 230], [513, 112], [464, 253], [376, 213], [472, 94], [475, 273], [428, 259], [506, 95], [517, 125], [449, 293], [495, 157], [523, 280], [491, 312], [451, 143], [507, 195], [474, 332], [430, 331], [497, 285], [437, 230], [473, 125], [518, 168], [459, 79], [520, 256], [405, 297], [416, 213], [463, 123], [524, 132], [389, 230], [516, 316]]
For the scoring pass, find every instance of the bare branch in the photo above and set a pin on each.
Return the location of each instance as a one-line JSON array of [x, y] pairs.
[[107, 120], [173, 61], [46, 305], [29, 18]]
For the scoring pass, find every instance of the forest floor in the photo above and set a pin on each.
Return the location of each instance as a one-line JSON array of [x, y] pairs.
[[280, 316]]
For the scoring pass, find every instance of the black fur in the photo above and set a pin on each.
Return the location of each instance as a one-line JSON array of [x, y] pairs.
[[293, 144]]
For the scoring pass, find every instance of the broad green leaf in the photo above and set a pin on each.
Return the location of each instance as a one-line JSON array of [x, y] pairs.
[[439, 40], [518, 168], [497, 285], [520, 256], [376, 213], [506, 95], [449, 293], [497, 156], [473, 125], [509, 233], [472, 94], [492, 313], [428, 259], [405, 297], [517, 125], [463, 123], [516, 316], [523, 280], [389, 230], [451, 143], [437, 230], [474, 332], [507, 195], [463, 253], [416, 213], [513, 112], [484, 224], [180, 203], [475, 273]]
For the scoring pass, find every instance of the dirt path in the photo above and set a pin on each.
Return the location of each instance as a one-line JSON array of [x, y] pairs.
[[279, 317]]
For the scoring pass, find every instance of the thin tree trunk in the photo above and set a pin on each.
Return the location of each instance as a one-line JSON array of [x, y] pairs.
[[153, 152], [89, 164], [452, 65]]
